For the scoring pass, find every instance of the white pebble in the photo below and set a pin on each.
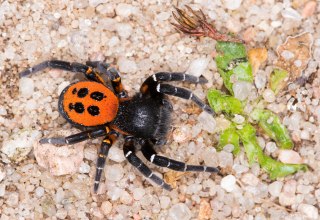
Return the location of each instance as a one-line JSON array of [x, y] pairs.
[[287, 55], [232, 4], [228, 183], [239, 119], [241, 90], [179, 211], [198, 66], [163, 16], [305, 135], [164, 202], [3, 110], [290, 13], [138, 193], [124, 10], [106, 207], [309, 210], [297, 63], [114, 172], [2, 190], [250, 179], [290, 156], [286, 199], [271, 147], [95, 3], [26, 87], [207, 121], [61, 213], [84, 168], [275, 188], [62, 86], [269, 95], [39, 191], [127, 66], [116, 154], [124, 30]]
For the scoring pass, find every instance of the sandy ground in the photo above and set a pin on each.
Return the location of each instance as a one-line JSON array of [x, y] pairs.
[[139, 40]]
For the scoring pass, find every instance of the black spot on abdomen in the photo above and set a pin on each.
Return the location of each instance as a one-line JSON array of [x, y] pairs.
[[97, 96], [78, 107], [83, 92], [93, 110]]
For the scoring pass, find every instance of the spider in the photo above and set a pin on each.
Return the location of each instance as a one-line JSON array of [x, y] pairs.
[[143, 119]]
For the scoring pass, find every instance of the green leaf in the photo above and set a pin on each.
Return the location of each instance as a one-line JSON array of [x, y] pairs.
[[229, 136], [255, 154], [224, 103], [271, 125], [232, 60], [277, 80]]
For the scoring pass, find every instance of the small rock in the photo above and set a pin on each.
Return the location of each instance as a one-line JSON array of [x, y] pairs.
[[275, 188], [138, 193], [271, 147], [19, 145], [116, 154], [60, 160], [290, 156], [180, 211], [114, 172], [124, 30], [39, 191], [207, 121], [250, 179], [124, 10], [309, 210], [2, 174], [232, 4], [205, 210], [241, 90], [2, 189], [198, 66], [48, 206], [26, 87], [181, 134], [127, 66], [309, 9], [84, 167], [225, 159], [106, 207], [164, 201], [239, 119], [95, 3], [61, 213], [290, 13], [13, 199], [228, 183], [286, 199], [269, 95]]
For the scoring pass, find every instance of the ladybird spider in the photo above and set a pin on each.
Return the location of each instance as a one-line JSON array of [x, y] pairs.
[[143, 119]]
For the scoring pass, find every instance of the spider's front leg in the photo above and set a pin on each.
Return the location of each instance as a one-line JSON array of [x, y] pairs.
[[76, 138], [63, 65], [113, 74], [129, 152]]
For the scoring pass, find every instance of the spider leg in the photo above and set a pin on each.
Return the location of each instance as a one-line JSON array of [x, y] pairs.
[[152, 81], [63, 65], [150, 154], [112, 73], [76, 138], [103, 154], [183, 93], [129, 152]]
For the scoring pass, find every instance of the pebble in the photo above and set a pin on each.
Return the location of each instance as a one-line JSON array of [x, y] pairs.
[[179, 211], [250, 179], [124, 10], [114, 172], [290, 13], [228, 183], [124, 30], [310, 211], [2, 174], [62, 213], [106, 207], [275, 188], [181, 134], [84, 168], [13, 199], [271, 147], [205, 210], [207, 121], [290, 156], [269, 95], [116, 154], [241, 90], [2, 189], [127, 66], [232, 4], [39, 191], [309, 9], [198, 66], [164, 202], [138, 193], [95, 3]]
